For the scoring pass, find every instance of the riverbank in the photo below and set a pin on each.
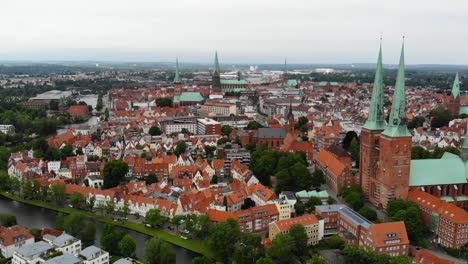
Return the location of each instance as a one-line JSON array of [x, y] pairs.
[[192, 245]]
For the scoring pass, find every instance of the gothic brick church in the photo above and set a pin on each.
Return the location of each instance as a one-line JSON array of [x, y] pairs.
[[386, 169]]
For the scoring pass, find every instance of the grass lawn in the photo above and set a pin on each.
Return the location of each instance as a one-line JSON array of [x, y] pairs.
[[192, 245]]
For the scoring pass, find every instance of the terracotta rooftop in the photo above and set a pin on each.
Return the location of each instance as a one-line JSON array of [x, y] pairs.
[[304, 220], [13, 234]]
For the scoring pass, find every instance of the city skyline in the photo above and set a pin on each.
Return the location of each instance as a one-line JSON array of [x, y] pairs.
[[243, 32]]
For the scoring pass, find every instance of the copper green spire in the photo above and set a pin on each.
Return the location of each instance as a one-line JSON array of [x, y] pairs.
[[456, 87], [375, 119], [285, 70], [397, 122], [177, 74], [216, 63]]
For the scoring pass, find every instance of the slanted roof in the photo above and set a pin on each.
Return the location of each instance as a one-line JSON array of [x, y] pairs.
[[90, 252], [63, 259], [235, 81], [34, 249], [190, 97], [305, 220], [267, 132], [387, 231], [63, 239], [291, 83], [449, 169], [456, 86]]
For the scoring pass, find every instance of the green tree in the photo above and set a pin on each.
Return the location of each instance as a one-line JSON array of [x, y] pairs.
[[312, 202], [127, 246], [439, 117], [180, 148], [418, 152], [99, 103], [254, 125], [202, 260], [77, 200], [45, 193], [333, 242], [368, 213], [348, 138], [413, 221], [300, 208], [439, 152], [77, 225], [158, 252], [355, 200], [282, 250], [36, 232], [224, 238], [318, 178], [4, 181], [110, 238], [106, 114], [58, 194], [154, 218], [114, 172], [109, 207], [155, 131], [7, 220], [151, 178], [417, 121], [125, 210], [354, 150], [66, 151], [299, 238], [264, 260], [316, 259], [163, 101], [226, 130], [176, 220], [60, 221]]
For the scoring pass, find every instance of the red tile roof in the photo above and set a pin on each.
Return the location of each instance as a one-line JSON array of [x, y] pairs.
[[424, 256], [381, 232], [304, 220], [8, 235]]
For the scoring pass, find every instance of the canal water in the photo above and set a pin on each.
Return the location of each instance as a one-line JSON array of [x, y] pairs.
[[32, 216]]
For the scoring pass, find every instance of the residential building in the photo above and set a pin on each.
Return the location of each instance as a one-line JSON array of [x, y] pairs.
[[63, 259], [218, 109], [32, 253], [208, 126], [170, 128], [64, 243], [255, 219], [12, 238], [94, 255], [312, 226], [7, 129]]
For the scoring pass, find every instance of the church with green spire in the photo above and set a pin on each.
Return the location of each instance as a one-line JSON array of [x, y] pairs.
[[232, 85], [216, 76], [386, 169], [177, 79], [453, 100]]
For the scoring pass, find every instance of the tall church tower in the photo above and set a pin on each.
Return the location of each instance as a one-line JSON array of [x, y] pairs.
[[395, 148], [285, 72], [216, 78], [177, 79], [291, 122], [453, 105], [370, 133]]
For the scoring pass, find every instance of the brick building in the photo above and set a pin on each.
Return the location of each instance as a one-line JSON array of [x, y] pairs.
[[453, 100], [78, 111], [384, 238], [312, 226], [255, 219], [271, 137], [448, 222], [208, 126], [337, 170]]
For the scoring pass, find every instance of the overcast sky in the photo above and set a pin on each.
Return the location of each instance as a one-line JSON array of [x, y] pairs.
[[249, 31]]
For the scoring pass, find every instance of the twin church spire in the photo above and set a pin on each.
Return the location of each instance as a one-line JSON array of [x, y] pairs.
[[396, 126]]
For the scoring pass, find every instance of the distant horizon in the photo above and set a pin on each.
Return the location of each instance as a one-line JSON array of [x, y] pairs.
[[242, 31]]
